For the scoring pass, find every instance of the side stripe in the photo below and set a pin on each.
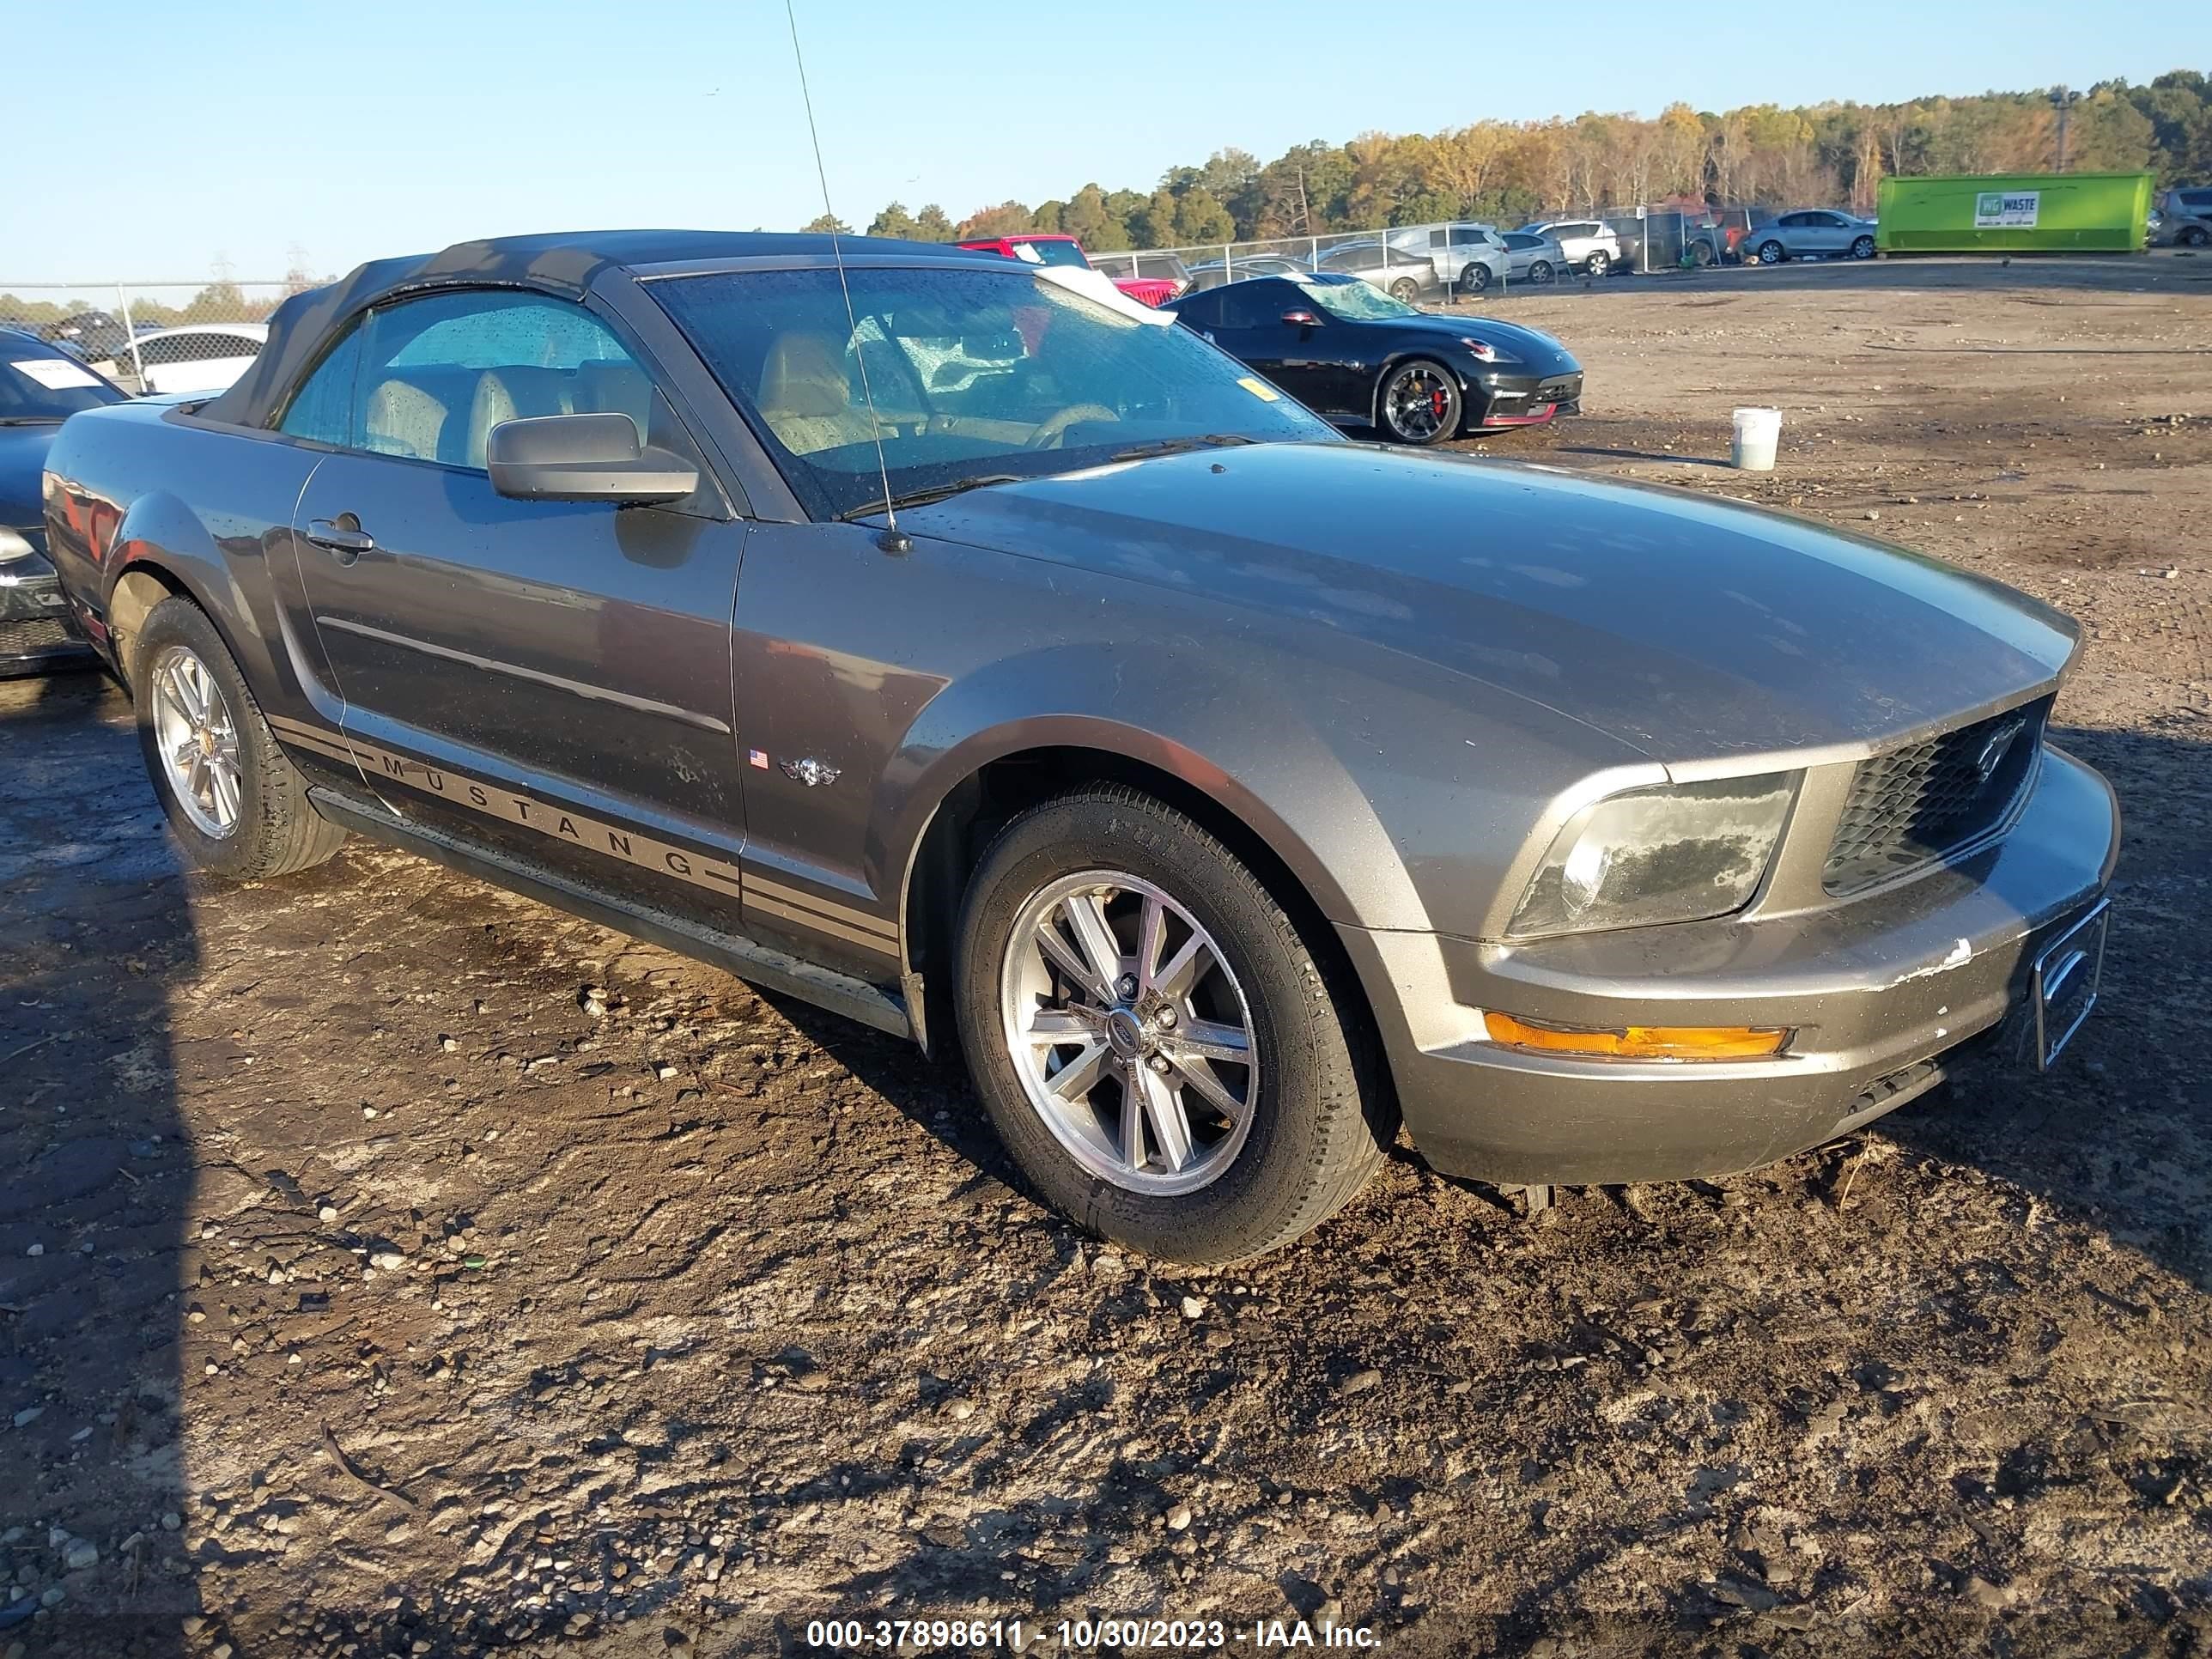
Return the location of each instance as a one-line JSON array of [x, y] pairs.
[[633, 847]]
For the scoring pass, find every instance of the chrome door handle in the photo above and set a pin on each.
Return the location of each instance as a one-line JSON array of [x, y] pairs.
[[333, 537]]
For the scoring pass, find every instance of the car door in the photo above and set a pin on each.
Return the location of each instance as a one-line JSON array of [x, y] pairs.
[[1826, 233], [1294, 357], [550, 679]]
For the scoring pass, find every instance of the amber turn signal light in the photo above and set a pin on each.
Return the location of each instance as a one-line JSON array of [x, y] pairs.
[[1639, 1041]]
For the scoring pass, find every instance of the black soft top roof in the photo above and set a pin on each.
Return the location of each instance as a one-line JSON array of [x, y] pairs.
[[562, 262]]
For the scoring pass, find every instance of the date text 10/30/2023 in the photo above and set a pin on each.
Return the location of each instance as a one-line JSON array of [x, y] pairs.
[[1185, 1635]]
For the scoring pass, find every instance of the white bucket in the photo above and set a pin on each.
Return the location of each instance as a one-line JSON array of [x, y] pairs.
[[1757, 432]]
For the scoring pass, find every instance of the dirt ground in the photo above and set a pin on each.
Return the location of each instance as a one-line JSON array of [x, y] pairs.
[[363, 1292]]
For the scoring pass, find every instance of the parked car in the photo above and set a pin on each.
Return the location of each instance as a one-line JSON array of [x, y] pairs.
[[1215, 272], [1225, 789], [1405, 277], [1813, 233], [196, 357], [1592, 247], [1154, 278], [1362, 358], [2183, 219], [1152, 287], [1532, 259], [41, 386], [88, 335]]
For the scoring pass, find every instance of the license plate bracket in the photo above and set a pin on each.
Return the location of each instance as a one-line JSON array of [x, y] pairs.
[[2066, 978]]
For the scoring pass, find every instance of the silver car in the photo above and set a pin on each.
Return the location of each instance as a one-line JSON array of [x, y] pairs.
[[1532, 259], [2183, 219], [1812, 233], [1592, 247]]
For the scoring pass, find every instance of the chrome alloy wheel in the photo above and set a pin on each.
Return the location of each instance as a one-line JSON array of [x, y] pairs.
[[197, 740], [1130, 1034], [1417, 403]]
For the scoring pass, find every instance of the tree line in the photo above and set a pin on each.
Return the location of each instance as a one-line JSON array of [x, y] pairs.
[[1505, 171]]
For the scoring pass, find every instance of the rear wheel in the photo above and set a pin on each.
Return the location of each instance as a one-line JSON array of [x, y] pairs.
[[1772, 253], [1540, 271], [1702, 254], [1598, 262], [1157, 1048], [238, 805], [2194, 236], [1405, 288], [1475, 278], [1862, 248], [1420, 403]]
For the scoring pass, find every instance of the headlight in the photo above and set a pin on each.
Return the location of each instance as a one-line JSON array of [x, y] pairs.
[[1486, 353], [14, 545], [1673, 853]]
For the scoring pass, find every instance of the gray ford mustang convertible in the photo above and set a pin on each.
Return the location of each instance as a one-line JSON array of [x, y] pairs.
[[965, 652]]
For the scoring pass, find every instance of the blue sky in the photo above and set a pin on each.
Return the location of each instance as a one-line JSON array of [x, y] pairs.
[[161, 135]]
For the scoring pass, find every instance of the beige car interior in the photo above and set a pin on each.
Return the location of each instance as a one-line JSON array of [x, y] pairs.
[[444, 414]]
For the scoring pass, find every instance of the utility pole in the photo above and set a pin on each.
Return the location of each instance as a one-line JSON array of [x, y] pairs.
[[2063, 101]]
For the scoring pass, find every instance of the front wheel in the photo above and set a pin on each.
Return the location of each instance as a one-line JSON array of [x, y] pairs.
[[1862, 248], [1475, 278], [1420, 403], [2194, 236], [1161, 1052], [1540, 271], [1598, 262], [236, 803], [1771, 253]]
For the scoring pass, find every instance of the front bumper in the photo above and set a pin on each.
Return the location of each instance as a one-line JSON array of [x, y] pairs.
[[1502, 399], [34, 628], [1877, 989]]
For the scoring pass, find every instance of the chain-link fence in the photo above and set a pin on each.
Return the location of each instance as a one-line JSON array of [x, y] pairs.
[[1448, 261], [150, 336]]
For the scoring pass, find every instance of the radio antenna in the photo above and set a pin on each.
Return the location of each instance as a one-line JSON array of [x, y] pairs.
[[893, 540]]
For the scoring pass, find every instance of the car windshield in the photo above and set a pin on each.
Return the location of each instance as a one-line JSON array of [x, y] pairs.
[[36, 387], [1357, 301], [1050, 254], [976, 374]]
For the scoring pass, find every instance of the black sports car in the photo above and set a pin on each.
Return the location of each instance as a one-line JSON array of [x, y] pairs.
[[1351, 353]]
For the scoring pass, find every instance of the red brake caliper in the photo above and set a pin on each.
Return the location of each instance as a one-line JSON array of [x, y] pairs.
[[1437, 403]]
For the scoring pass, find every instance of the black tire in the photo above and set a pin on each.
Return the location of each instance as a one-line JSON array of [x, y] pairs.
[[1440, 384], [278, 831], [1540, 271], [1598, 262], [1407, 290], [1702, 254], [1862, 248], [1324, 1116], [2194, 236], [1475, 279], [1772, 253]]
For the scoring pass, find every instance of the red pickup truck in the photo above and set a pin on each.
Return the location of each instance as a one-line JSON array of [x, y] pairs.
[[1048, 248]]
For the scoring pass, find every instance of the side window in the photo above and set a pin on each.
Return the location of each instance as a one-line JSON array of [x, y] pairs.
[[1201, 310], [322, 409], [1253, 305]]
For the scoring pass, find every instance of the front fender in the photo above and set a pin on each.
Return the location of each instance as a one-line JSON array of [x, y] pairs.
[[1191, 714]]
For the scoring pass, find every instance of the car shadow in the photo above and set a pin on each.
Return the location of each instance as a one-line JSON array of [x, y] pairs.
[[96, 936]]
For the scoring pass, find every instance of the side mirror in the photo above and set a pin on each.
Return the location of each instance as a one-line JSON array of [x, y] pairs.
[[1301, 319], [583, 458]]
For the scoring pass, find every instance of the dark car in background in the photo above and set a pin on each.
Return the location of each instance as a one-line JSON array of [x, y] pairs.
[[1360, 357], [1227, 790], [41, 386], [1215, 272]]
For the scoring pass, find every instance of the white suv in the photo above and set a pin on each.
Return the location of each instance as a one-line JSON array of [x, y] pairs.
[[1591, 246]]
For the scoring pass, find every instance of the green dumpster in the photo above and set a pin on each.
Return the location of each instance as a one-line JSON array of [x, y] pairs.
[[2014, 213]]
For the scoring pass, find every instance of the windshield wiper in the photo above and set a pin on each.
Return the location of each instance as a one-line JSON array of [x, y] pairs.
[[931, 493], [32, 420], [1178, 446]]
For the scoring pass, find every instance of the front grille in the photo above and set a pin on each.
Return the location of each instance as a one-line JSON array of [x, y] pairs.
[[1913, 806], [32, 636]]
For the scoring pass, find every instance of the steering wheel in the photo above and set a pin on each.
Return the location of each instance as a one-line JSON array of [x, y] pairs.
[[1047, 435]]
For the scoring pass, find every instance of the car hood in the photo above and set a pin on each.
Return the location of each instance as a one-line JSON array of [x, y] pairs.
[[22, 460], [1539, 351], [1686, 627]]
